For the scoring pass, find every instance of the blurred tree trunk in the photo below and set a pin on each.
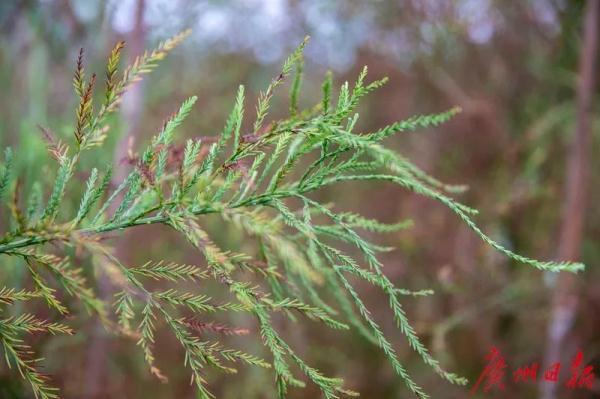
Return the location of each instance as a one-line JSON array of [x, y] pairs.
[[565, 299], [132, 105]]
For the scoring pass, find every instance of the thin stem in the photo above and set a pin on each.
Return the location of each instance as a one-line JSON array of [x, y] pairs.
[[26, 242]]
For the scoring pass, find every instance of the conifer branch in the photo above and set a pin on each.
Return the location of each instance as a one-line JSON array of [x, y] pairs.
[[261, 184]]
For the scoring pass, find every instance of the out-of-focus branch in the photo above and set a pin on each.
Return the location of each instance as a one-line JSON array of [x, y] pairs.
[[571, 231]]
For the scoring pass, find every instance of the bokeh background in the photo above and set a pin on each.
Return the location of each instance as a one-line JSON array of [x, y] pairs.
[[513, 67]]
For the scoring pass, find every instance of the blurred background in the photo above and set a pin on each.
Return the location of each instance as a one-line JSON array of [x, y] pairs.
[[515, 68]]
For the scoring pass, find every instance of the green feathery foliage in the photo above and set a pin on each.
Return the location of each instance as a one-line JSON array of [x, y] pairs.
[[260, 183]]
